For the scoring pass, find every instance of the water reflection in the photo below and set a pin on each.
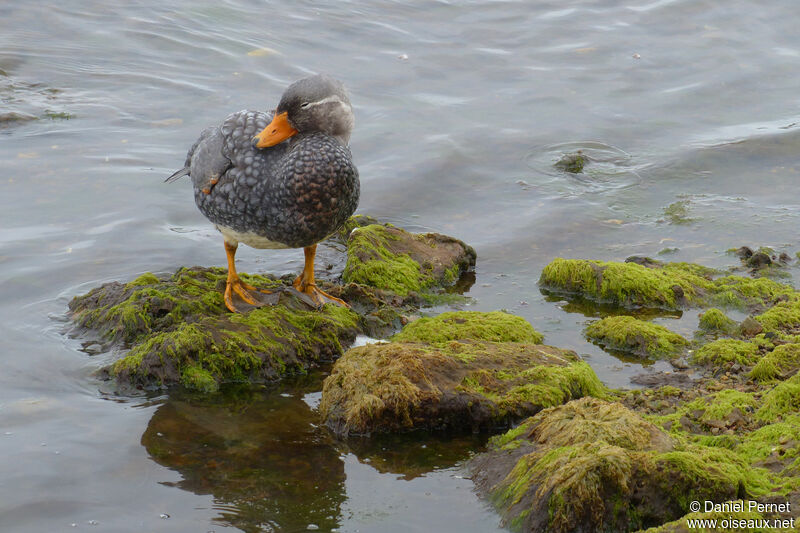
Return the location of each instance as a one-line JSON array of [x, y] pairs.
[[259, 452]]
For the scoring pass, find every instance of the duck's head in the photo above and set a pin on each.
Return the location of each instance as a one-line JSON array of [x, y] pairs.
[[314, 104]]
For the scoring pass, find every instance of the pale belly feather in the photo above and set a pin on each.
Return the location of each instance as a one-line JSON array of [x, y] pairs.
[[249, 238]]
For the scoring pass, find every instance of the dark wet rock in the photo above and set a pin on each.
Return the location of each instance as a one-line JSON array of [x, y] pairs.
[[660, 379], [743, 253], [462, 370], [572, 163], [758, 260], [592, 465], [645, 261]]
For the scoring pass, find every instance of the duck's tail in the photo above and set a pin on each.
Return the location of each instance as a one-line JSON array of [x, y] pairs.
[[179, 174]]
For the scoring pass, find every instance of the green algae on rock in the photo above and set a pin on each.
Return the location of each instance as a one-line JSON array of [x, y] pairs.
[[670, 286], [180, 332], [780, 363], [715, 321], [781, 401], [459, 385], [496, 326], [467, 375], [638, 337], [591, 465], [390, 258], [723, 351]]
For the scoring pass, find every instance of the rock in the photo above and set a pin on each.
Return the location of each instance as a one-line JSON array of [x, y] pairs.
[[758, 260], [180, 331], [457, 381], [389, 258], [572, 163], [750, 327], [780, 363], [592, 465], [637, 337], [644, 261], [714, 321], [672, 286], [723, 351]]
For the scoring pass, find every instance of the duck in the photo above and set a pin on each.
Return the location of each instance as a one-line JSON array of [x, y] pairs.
[[278, 179]]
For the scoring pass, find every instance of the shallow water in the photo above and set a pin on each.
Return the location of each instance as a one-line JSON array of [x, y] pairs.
[[461, 110]]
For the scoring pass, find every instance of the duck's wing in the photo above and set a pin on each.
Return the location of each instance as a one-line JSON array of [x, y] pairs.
[[205, 163]]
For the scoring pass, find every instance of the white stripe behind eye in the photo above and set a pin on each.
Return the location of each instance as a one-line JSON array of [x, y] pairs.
[[327, 99]]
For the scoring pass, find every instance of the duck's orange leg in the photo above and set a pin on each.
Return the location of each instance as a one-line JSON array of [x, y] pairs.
[[305, 281], [235, 284]]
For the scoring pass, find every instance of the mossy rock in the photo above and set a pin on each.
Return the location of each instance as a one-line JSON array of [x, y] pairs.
[[637, 337], [722, 351], [496, 326], [392, 259], [592, 465], [783, 317], [179, 331], [715, 321], [781, 401], [458, 380], [780, 363], [671, 286]]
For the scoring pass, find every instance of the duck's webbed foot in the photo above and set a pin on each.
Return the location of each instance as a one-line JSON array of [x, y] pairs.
[[244, 291], [305, 283], [234, 284], [317, 295]]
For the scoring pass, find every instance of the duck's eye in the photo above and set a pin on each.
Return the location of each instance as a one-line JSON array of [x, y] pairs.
[[304, 105]]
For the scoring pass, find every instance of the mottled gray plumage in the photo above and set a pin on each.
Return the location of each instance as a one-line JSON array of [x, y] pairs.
[[295, 193]]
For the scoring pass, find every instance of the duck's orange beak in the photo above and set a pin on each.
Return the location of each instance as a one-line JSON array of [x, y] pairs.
[[277, 131]]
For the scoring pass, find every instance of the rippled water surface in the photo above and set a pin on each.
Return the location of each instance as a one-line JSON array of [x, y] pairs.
[[461, 110]]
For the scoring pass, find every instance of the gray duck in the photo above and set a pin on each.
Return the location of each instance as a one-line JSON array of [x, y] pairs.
[[282, 179]]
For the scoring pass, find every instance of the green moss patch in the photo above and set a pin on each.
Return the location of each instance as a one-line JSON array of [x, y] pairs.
[[495, 326], [722, 351], [395, 260], [666, 286], [780, 363], [591, 465], [715, 321], [638, 337], [179, 331], [466, 384], [783, 317], [780, 401]]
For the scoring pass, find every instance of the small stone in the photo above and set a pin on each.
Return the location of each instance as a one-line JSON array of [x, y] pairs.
[[750, 327]]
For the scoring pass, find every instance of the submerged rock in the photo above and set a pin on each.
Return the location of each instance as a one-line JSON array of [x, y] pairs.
[[592, 465], [452, 377], [572, 163]]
